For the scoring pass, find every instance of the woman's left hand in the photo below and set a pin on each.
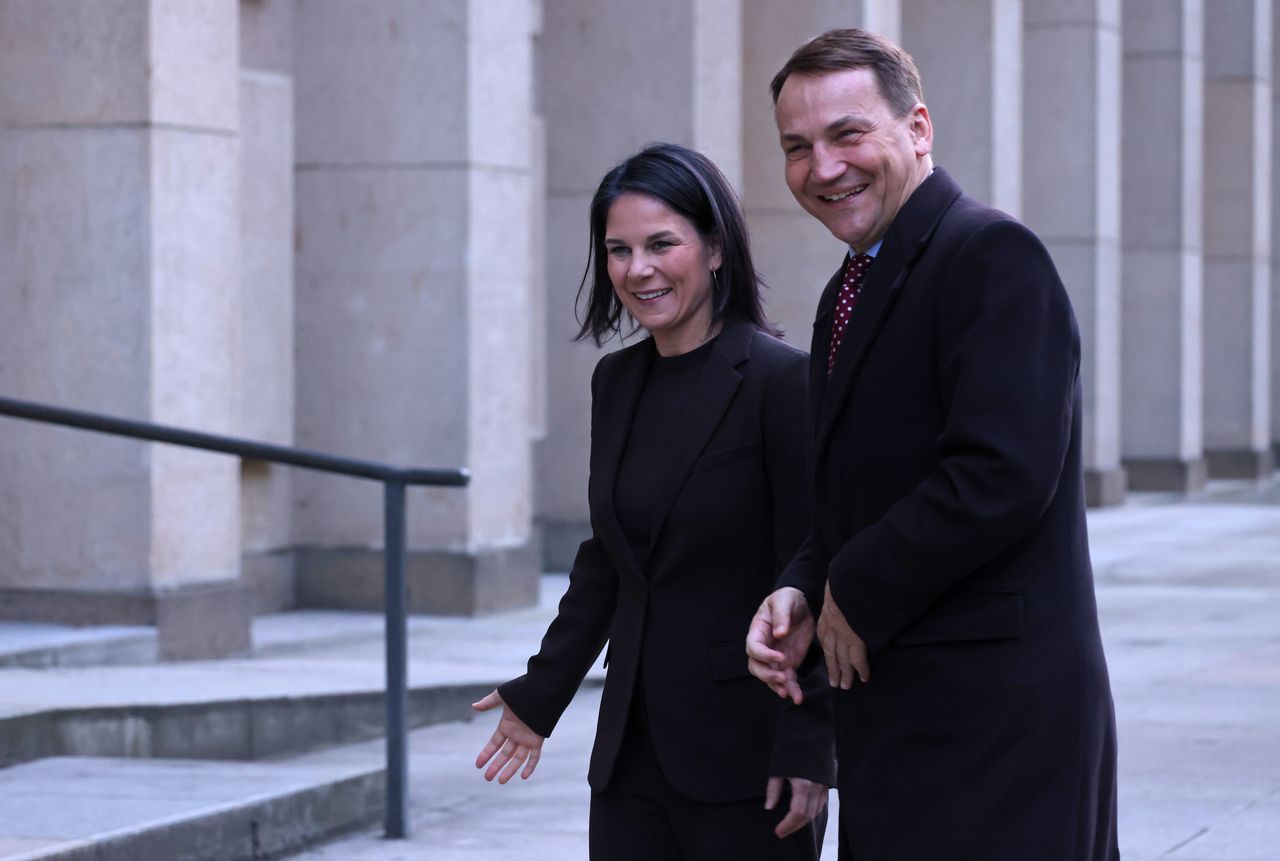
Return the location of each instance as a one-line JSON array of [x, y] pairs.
[[808, 799]]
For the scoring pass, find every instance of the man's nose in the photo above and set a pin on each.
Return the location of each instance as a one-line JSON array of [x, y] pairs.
[[826, 166]]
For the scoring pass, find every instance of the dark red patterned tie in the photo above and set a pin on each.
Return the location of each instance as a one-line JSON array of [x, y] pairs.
[[855, 270]]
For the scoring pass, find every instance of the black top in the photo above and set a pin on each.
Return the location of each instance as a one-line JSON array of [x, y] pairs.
[[662, 402]]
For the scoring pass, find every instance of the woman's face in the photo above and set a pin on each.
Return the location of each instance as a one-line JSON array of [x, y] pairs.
[[660, 267]]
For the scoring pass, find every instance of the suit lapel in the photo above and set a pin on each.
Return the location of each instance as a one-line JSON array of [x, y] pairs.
[[905, 241], [615, 409], [717, 383]]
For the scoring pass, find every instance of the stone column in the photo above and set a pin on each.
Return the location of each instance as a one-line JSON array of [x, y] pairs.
[[1275, 242], [613, 79], [1237, 236], [969, 53], [1162, 198], [1071, 176], [266, 277], [119, 234], [414, 195], [794, 252]]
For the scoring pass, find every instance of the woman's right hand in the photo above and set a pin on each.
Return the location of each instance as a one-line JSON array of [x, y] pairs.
[[511, 745]]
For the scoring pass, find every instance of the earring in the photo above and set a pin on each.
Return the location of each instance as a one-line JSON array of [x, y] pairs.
[[715, 281]]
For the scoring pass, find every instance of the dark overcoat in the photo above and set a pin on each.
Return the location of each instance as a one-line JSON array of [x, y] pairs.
[[733, 510], [949, 518]]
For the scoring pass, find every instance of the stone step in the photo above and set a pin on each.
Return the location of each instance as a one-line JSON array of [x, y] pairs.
[[39, 645], [72, 808], [232, 729], [90, 809]]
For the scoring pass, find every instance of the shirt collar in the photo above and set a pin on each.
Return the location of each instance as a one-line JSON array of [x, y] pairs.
[[875, 249], [870, 252]]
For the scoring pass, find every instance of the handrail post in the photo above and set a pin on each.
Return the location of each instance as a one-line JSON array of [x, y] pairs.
[[397, 662]]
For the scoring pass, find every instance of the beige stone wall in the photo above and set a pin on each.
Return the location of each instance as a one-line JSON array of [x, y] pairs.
[[120, 242], [1071, 172], [1237, 237], [612, 81], [414, 181], [361, 228], [1162, 195]]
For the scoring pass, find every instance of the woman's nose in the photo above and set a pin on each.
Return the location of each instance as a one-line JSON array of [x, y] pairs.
[[641, 266]]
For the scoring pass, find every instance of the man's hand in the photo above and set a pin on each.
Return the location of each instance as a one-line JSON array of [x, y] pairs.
[[512, 743], [844, 650], [807, 801], [778, 639]]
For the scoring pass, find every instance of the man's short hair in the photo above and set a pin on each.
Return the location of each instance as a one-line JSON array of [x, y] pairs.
[[842, 50]]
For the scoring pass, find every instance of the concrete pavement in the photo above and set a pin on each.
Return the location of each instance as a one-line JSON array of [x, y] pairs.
[[1189, 598], [1190, 602]]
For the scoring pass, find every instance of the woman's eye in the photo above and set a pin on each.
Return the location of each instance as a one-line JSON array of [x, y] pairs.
[[661, 245], [617, 251]]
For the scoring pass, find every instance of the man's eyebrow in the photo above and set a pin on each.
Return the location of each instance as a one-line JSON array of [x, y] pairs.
[[833, 126], [847, 120]]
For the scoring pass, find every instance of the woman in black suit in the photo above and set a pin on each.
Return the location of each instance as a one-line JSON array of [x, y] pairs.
[[697, 501]]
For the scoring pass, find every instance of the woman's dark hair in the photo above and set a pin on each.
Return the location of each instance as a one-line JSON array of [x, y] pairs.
[[690, 184]]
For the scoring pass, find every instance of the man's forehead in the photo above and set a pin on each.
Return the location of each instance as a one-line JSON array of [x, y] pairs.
[[832, 94], [856, 78]]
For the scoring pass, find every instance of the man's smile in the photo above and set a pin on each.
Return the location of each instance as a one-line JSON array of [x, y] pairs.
[[842, 195]]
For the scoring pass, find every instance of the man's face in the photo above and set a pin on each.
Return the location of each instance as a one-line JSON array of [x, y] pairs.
[[851, 163]]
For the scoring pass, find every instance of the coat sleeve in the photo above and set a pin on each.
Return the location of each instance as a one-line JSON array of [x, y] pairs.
[[805, 573], [1008, 359], [804, 744], [575, 637]]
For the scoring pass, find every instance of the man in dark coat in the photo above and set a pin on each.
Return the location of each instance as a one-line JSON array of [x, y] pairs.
[[947, 574]]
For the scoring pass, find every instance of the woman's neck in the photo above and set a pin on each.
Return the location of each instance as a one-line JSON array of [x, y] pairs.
[[686, 341]]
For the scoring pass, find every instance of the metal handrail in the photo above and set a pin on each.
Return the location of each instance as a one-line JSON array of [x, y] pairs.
[[394, 480]]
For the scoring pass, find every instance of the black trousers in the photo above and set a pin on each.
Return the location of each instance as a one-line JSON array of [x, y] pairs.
[[640, 817]]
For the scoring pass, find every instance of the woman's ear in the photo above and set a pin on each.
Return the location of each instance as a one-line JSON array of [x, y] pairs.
[[717, 259]]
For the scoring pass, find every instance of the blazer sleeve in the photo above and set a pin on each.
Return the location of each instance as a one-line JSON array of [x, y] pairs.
[[1008, 360], [804, 744], [575, 637], [571, 645]]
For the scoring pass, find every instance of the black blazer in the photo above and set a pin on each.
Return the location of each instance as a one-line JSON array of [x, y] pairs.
[[949, 519], [733, 510]]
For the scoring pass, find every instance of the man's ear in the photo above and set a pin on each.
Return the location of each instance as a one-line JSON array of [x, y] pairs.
[[921, 128]]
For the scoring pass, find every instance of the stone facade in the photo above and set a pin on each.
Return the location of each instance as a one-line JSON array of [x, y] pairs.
[[361, 227]]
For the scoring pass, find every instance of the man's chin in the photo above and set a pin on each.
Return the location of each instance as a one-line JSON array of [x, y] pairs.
[[854, 235]]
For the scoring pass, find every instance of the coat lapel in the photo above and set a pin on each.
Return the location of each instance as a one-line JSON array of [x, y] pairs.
[[615, 408], [821, 343], [717, 383], [906, 240]]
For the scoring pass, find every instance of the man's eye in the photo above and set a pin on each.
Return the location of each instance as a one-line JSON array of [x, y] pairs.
[[797, 152]]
